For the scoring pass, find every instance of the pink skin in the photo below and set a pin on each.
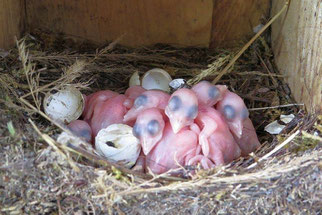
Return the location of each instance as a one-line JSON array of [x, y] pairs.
[[93, 99], [81, 129], [217, 143], [172, 149], [195, 128], [148, 99], [148, 128], [140, 163], [205, 162], [233, 108], [182, 109], [107, 113], [132, 93], [209, 94], [249, 141]]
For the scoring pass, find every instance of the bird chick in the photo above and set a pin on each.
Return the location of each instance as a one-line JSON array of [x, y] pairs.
[[148, 128], [182, 109], [148, 99], [215, 138], [249, 141], [107, 113], [233, 108], [172, 150], [94, 98], [204, 161], [208, 94], [81, 129], [132, 93]]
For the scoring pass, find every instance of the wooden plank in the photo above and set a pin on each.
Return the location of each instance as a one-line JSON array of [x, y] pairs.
[[144, 22], [11, 21], [297, 45], [234, 22]]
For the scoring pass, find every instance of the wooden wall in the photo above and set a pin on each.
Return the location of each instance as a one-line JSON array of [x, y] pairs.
[[215, 23], [296, 39], [297, 44], [144, 22], [11, 21], [234, 21]]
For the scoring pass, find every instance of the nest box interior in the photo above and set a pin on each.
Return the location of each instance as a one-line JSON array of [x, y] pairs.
[[295, 37]]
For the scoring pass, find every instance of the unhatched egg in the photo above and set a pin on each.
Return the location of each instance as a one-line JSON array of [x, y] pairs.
[[64, 105]]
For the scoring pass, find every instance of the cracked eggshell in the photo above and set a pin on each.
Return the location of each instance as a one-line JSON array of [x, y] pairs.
[[274, 127], [156, 79], [117, 143], [64, 105], [135, 79]]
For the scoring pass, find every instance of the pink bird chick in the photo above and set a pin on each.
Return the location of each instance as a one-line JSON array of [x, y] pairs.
[[148, 128], [81, 129], [172, 149], [234, 110], [208, 94], [132, 93], [140, 163], [249, 141], [107, 113], [182, 109], [94, 98], [148, 99], [204, 161], [217, 143]]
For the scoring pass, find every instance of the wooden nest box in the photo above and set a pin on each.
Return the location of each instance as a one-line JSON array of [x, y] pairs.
[[296, 35]]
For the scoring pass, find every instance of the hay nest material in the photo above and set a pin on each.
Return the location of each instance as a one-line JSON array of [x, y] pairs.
[[42, 177]]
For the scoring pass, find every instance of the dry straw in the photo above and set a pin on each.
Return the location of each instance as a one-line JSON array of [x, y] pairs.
[[111, 184], [73, 72]]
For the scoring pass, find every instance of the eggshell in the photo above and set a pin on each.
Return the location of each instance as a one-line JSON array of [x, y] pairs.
[[135, 80], [117, 143], [64, 105], [156, 79]]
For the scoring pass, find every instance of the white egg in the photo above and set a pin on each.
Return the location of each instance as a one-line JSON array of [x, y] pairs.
[[117, 143], [65, 105], [156, 79]]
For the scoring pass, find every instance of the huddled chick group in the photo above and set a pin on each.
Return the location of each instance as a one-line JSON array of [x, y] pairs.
[[206, 125]]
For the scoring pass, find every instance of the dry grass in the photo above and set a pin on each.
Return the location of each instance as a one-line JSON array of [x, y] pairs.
[[39, 176]]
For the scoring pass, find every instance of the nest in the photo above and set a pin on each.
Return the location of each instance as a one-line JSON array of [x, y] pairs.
[[38, 175]]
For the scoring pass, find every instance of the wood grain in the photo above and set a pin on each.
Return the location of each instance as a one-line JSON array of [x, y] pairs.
[[11, 21], [234, 21], [297, 45], [142, 22]]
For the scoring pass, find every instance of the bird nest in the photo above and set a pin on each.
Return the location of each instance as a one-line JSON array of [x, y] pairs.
[[38, 175]]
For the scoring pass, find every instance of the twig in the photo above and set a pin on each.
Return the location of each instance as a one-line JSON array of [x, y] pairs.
[[80, 64], [289, 139], [51, 142], [255, 98], [273, 107], [231, 63], [28, 69], [267, 69], [259, 74], [59, 206]]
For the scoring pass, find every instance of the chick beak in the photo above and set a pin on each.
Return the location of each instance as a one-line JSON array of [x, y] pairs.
[[147, 145], [237, 129], [176, 124]]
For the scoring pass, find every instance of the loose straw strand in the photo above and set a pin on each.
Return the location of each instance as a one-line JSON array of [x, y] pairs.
[[231, 63]]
